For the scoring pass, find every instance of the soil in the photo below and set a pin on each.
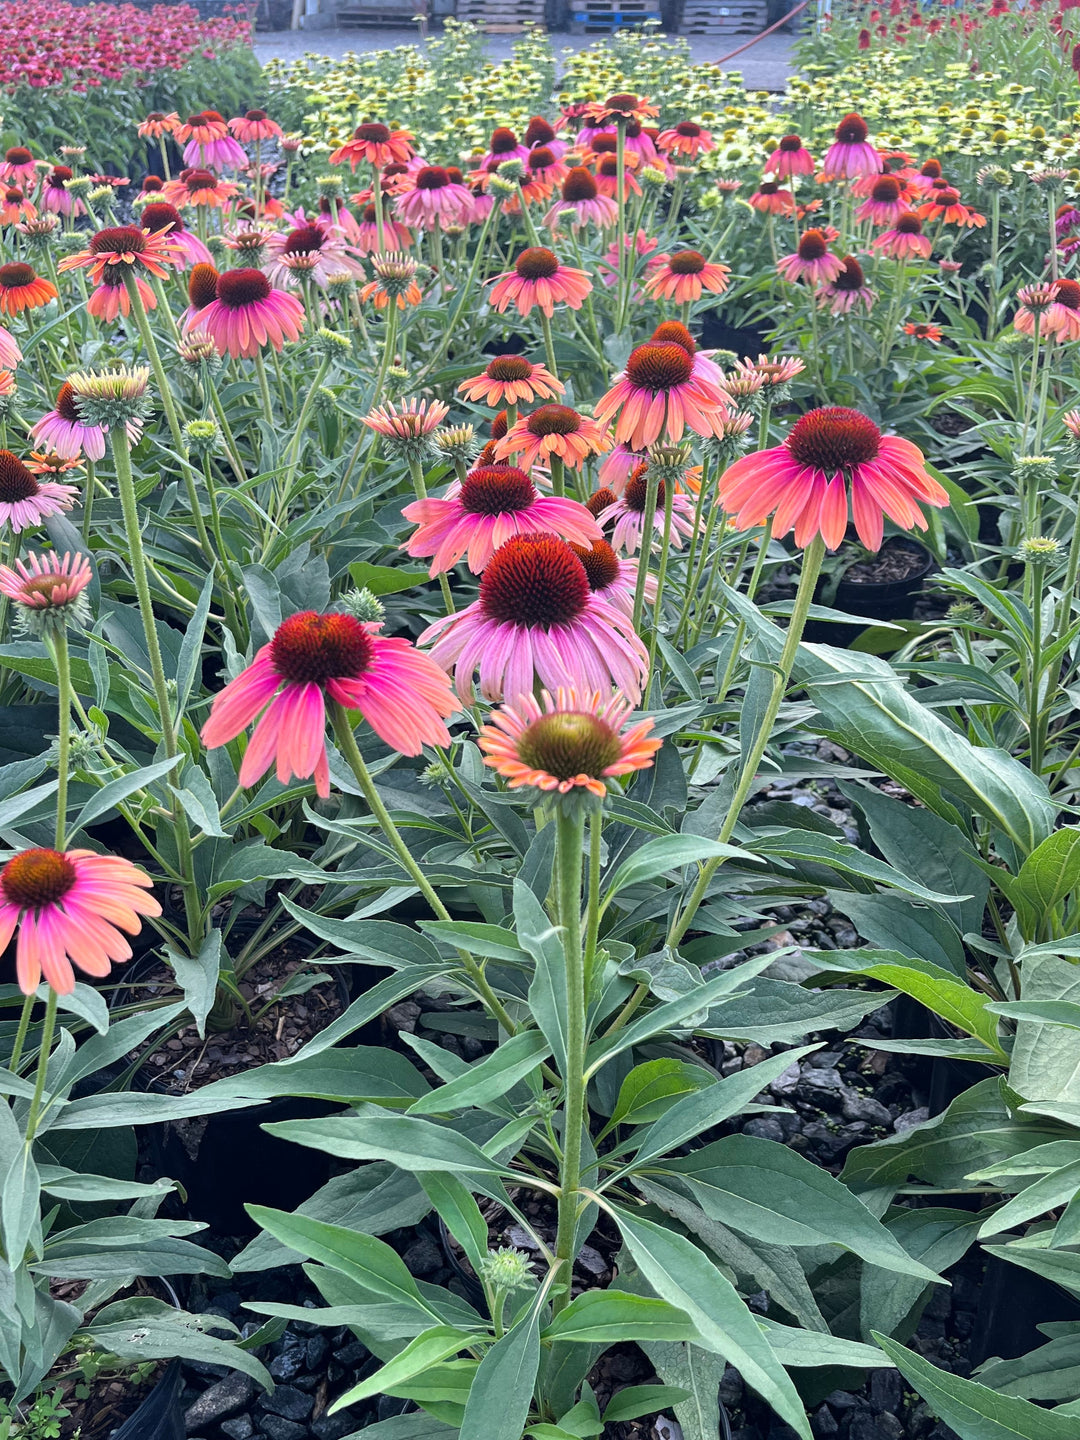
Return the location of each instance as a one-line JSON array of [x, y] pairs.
[[185, 1062], [896, 560], [105, 1408]]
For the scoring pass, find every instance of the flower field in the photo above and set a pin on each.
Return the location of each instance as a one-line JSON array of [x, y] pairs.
[[539, 758]]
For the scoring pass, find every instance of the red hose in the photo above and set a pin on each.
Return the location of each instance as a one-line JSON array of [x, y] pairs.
[[797, 10]]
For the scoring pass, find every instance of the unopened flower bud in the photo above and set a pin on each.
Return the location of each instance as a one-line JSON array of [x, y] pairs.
[[202, 437], [363, 605]]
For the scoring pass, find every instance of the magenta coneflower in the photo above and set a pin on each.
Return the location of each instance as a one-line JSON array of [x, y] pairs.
[[687, 139], [539, 278], [377, 145], [611, 578], [403, 696], [209, 143], [770, 199], [659, 393], [546, 167], [190, 250], [790, 157], [684, 276], [804, 482], [493, 503], [330, 253], [254, 125], [18, 167], [47, 582], [905, 241], [69, 907], [812, 260], [886, 202], [55, 197], [627, 515], [848, 291], [25, 500], [541, 132], [62, 429], [504, 145], [537, 618], [249, 313], [509, 380], [435, 201], [10, 354], [553, 430], [617, 466], [851, 154], [566, 742], [580, 194]]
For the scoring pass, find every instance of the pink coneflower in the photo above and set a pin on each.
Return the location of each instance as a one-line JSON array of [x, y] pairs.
[[331, 254], [905, 241], [249, 313], [69, 907], [407, 422], [886, 202], [1063, 317], [659, 393], [55, 197], [626, 514], [687, 139], [159, 216], [10, 354], [395, 235], [493, 503], [208, 142], [621, 107], [539, 278], [775, 373], [46, 582], [435, 201], [64, 431], [504, 145], [122, 250], [1034, 302], [157, 124], [770, 199], [199, 187], [537, 618], [376, 144], [254, 125], [812, 260], [926, 176], [684, 276], [403, 696], [553, 430], [18, 167], [804, 482], [25, 500], [22, 288], [14, 206], [611, 578], [395, 282], [641, 244], [851, 155], [607, 179], [511, 379], [616, 468], [848, 291], [541, 132], [581, 194], [674, 332], [572, 741], [790, 158], [945, 205]]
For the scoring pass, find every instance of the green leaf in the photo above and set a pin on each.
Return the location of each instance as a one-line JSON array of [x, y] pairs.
[[199, 977], [698, 1373], [547, 992], [1047, 1193], [608, 1317], [634, 1401], [777, 1012], [683, 1275], [502, 1388], [1051, 873], [459, 1212], [763, 1188], [154, 1331], [490, 1078], [1060, 1266], [1045, 1058], [937, 1237], [653, 1087], [807, 1349], [359, 1073], [438, 1343], [385, 579], [119, 789], [405, 1140], [813, 847], [1049, 1372], [669, 852], [974, 1411]]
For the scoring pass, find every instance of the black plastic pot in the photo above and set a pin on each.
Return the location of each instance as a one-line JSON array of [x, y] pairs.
[[474, 1291], [161, 1415], [938, 1077], [870, 601], [1013, 1303]]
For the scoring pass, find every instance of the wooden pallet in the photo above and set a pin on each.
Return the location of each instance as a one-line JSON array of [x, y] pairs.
[[395, 13], [505, 17], [723, 17]]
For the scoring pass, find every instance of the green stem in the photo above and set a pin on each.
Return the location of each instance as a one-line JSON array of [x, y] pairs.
[[811, 569], [558, 475], [264, 389], [1034, 687], [549, 344], [652, 490], [47, 1031], [58, 646], [665, 546], [20, 1033], [416, 470], [569, 834]]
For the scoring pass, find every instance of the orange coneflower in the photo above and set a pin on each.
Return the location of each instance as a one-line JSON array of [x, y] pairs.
[[22, 288], [511, 379], [553, 430], [920, 331]]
